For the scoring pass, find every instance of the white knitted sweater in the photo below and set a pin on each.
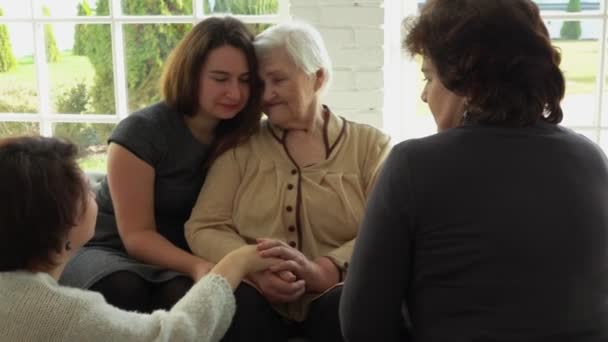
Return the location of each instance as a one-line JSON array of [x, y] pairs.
[[33, 307]]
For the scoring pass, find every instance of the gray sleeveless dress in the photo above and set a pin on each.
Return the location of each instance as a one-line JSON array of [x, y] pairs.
[[158, 136]]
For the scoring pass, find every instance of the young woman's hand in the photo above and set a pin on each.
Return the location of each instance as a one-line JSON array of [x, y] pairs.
[[241, 262], [252, 261]]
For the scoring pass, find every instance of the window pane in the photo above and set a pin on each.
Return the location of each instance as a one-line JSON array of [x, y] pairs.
[[421, 123], [568, 6], [66, 8], [12, 8], [13, 129], [604, 118], [257, 28], [146, 49], [580, 62], [90, 138], [250, 7], [71, 74], [18, 88], [164, 7], [85, 69]]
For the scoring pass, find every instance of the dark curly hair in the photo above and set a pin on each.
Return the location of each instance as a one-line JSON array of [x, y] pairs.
[[496, 53], [43, 194]]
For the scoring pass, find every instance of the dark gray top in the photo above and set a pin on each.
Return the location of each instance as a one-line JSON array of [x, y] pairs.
[[484, 234], [158, 136]]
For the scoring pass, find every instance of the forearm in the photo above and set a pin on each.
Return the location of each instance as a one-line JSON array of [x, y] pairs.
[[213, 244], [231, 268], [203, 314], [152, 248]]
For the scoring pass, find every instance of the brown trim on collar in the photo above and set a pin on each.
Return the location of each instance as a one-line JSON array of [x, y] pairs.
[[269, 125], [330, 150], [326, 119]]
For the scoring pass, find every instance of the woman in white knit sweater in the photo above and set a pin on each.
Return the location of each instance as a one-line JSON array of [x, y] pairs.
[[46, 213]]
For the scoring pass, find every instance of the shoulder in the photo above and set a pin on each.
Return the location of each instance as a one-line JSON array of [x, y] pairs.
[[148, 131], [41, 286], [156, 115], [579, 142], [437, 143], [366, 134]]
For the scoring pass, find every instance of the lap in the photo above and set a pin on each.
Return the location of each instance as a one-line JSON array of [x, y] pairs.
[[91, 264], [255, 316]]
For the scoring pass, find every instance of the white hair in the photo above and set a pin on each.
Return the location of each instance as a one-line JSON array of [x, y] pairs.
[[303, 44]]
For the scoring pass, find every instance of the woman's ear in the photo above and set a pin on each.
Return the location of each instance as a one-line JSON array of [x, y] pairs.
[[319, 79]]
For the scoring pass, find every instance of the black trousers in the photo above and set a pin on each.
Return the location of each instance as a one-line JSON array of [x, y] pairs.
[[256, 320]]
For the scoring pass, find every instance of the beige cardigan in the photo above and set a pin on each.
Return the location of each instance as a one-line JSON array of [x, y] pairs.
[[256, 190]]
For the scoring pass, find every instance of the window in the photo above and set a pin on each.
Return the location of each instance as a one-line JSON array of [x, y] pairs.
[[74, 68], [577, 27]]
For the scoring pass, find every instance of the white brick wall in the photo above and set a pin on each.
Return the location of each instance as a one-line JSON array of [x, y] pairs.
[[354, 37]]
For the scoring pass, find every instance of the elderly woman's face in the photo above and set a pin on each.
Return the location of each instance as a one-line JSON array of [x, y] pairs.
[[446, 106], [289, 93]]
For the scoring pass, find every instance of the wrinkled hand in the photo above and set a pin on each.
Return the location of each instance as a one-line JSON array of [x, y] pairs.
[[279, 287], [318, 277]]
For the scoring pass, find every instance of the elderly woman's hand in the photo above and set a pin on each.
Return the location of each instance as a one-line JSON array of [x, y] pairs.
[[278, 287], [319, 275]]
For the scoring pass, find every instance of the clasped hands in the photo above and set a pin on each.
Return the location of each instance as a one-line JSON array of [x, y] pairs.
[[288, 280]]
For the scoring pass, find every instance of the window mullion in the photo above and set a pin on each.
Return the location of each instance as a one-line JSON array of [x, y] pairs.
[[601, 77], [118, 59], [198, 11], [42, 74]]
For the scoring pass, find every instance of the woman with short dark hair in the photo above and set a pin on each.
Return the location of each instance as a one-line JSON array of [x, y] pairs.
[[46, 214], [495, 228]]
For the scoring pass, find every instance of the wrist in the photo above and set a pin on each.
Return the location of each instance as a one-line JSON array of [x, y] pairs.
[[199, 269], [326, 275], [232, 268], [238, 262]]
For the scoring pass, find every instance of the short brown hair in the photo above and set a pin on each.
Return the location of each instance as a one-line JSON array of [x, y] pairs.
[[42, 195], [180, 80], [497, 53]]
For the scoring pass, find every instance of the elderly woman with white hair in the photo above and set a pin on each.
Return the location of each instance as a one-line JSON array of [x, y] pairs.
[[297, 189]]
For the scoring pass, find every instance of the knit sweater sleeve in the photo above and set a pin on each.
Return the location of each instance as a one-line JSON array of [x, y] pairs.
[[203, 314]]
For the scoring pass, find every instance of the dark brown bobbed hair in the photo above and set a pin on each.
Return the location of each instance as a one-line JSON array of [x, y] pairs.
[[43, 194], [496, 53], [180, 80]]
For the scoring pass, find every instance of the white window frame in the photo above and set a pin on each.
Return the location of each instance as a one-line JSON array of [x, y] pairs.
[[401, 74], [45, 118]]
